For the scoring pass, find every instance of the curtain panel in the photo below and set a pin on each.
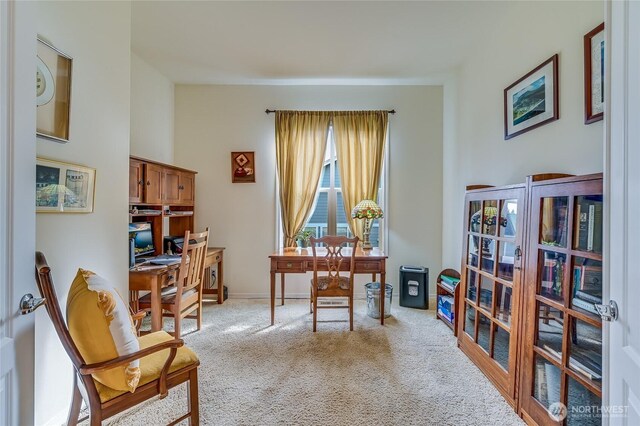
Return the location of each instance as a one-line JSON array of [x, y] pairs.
[[301, 141], [360, 138]]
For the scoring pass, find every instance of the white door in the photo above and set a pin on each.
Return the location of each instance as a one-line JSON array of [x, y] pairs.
[[623, 191], [17, 217]]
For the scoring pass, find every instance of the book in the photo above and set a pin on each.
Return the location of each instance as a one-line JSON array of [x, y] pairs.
[[449, 280], [583, 304], [447, 286]]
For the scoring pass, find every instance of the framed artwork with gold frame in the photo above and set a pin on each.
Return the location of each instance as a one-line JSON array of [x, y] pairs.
[[243, 168], [64, 187], [53, 93], [594, 63]]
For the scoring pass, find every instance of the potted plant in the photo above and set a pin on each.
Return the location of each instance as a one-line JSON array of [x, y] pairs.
[[303, 237]]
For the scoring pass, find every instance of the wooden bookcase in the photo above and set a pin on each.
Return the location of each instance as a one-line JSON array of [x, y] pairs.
[[561, 360], [531, 274], [443, 289], [163, 195]]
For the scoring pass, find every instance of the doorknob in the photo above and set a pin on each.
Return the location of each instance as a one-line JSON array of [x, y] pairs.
[[608, 312], [28, 303]]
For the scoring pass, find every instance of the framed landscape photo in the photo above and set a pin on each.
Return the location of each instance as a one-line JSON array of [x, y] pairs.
[[243, 169], [63, 187], [53, 93], [594, 75], [532, 101]]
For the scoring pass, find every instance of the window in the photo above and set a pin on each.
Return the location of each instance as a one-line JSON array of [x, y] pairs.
[[328, 216]]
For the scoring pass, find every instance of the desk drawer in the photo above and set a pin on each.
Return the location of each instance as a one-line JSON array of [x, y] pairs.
[[368, 266], [169, 278], [291, 265]]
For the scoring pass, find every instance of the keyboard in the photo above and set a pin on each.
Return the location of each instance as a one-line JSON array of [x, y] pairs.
[[165, 259]]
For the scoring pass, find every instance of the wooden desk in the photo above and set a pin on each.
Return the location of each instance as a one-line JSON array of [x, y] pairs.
[[152, 280], [300, 261], [215, 256], [156, 278]]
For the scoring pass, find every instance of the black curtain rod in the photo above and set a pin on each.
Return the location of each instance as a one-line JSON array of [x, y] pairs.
[[269, 111]]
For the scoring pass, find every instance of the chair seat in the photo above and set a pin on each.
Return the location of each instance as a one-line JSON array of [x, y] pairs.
[[168, 296], [323, 283], [151, 365]]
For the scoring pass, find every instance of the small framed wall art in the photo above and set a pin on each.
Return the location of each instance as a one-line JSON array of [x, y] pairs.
[[532, 101], [243, 169], [63, 187], [53, 93], [594, 75]]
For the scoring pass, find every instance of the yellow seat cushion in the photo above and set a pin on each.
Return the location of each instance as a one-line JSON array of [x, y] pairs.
[[151, 365], [102, 329]]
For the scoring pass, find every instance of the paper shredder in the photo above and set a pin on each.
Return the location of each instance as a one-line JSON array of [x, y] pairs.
[[414, 287]]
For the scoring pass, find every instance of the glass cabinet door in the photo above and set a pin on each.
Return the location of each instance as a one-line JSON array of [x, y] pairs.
[[491, 286], [563, 337]]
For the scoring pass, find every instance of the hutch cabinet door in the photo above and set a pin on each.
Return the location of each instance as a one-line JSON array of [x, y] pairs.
[[171, 186], [187, 187], [136, 181], [561, 370], [491, 273], [153, 191]]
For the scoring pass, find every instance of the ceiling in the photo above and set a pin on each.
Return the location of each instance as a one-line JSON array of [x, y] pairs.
[[308, 42]]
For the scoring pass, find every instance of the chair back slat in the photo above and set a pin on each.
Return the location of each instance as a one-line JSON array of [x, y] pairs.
[[48, 291]]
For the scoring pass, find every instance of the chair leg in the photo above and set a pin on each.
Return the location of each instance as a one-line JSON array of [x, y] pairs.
[[315, 312], [95, 420], [350, 313], [76, 403], [177, 323], [192, 396], [199, 318], [310, 300]]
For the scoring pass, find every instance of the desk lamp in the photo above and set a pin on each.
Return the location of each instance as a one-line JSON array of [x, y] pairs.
[[367, 210]]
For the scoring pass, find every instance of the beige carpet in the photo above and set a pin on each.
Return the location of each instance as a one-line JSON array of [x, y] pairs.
[[409, 372]]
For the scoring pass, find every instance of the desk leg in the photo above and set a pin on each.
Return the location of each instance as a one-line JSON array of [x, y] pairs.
[[273, 296], [282, 288], [383, 296], [220, 282], [373, 277], [156, 309]]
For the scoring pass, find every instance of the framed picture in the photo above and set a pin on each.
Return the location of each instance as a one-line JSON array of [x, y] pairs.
[[243, 169], [53, 93], [594, 75], [63, 187], [532, 101]]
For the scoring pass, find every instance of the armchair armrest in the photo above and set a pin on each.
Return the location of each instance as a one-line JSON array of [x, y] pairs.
[[137, 319], [172, 345]]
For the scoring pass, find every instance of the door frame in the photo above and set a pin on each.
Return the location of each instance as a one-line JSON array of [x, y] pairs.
[[17, 220]]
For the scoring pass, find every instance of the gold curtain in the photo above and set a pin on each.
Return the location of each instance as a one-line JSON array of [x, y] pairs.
[[360, 137], [301, 141]]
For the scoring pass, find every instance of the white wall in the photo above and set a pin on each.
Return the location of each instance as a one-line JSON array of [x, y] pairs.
[[212, 121], [97, 36], [524, 36], [151, 112]]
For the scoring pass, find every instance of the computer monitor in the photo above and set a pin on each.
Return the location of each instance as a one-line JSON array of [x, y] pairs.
[[142, 236]]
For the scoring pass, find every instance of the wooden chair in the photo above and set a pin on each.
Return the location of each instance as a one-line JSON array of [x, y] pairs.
[[181, 300], [338, 282], [104, 402]]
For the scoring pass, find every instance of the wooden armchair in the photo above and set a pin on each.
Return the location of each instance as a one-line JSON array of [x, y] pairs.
[[338, 282], [164, 363], [181, 300]]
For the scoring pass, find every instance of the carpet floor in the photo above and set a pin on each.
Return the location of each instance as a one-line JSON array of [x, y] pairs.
[[409, 372]]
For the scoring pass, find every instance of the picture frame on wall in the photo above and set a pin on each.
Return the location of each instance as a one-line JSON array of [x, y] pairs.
[[594, 57], [532, 100], [53, 92], [243, 169], [64, 187]]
